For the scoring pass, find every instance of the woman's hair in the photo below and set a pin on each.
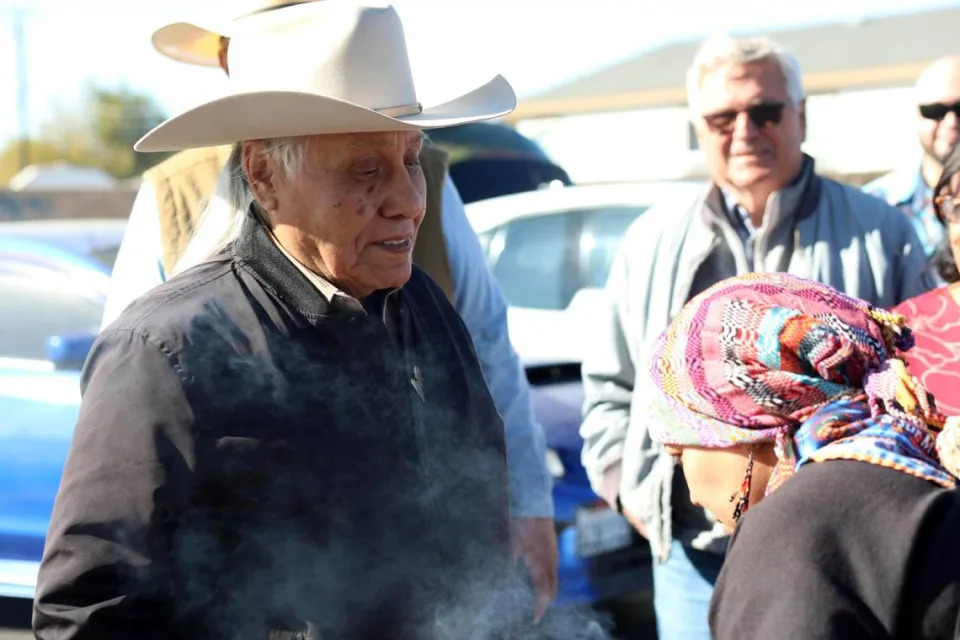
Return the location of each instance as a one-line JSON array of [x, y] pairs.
[[951, 165], [942, 258], [724, 50], [224, 213]]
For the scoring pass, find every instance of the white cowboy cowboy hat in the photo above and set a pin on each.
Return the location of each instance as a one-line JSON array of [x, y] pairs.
[[335, 66], [197, 41]]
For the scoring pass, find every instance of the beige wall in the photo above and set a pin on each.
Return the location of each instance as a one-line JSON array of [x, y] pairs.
[[866, 132]]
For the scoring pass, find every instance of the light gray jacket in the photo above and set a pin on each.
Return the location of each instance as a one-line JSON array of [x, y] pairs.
[[818, 229]]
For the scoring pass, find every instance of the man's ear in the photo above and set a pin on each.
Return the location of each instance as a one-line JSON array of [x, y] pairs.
[[261, 174], [699, 130], [802, 112]]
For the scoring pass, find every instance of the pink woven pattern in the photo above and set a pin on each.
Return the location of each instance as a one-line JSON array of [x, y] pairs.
[[747, 359]]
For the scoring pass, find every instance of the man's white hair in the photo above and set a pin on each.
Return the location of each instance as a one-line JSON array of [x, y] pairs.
[[725, 50], [223, 214]]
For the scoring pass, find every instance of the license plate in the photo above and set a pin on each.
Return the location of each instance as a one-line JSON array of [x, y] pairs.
[[601, 531]]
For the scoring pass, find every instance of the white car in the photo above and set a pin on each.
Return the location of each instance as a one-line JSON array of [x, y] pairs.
[[551, 252]]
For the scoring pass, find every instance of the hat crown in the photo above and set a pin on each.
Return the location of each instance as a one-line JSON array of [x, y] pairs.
[[341, 49]]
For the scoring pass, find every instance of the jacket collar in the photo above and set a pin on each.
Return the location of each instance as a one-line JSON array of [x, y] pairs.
[[255, 249], [798, 200]]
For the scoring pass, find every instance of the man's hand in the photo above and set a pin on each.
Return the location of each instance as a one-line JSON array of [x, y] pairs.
[[635, 521], [535, 541]]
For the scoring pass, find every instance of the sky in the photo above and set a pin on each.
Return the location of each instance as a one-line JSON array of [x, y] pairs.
[[454, 44]]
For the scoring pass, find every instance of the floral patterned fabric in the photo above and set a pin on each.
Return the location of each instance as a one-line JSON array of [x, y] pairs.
[[935, 356]]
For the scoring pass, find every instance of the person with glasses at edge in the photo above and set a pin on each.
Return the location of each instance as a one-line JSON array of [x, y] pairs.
[[765, 210], [935, 316], [910, 188]]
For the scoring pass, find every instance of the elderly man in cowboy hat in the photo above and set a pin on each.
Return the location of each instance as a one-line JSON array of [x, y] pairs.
[[167, 212], [294, 437]]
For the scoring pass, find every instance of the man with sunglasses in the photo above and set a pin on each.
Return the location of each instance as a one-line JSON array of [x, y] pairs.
[[765, 209], [938, 127]]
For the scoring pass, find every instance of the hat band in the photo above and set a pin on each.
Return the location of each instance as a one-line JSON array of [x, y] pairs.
[[399, 112]]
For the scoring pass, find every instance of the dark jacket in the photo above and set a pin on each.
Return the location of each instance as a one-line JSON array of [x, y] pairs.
[[845, 549], [249, 457]]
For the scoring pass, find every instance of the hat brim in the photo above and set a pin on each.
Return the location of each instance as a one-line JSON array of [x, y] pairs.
[[281, 114], [190, 42]]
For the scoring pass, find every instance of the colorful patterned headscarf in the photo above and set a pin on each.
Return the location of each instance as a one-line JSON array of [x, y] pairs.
[[776, 358]]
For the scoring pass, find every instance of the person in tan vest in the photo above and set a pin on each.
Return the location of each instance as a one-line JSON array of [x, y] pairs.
[[167, 211]]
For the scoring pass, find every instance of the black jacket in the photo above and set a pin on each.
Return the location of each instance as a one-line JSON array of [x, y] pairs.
[[846, 550], [251, 458]]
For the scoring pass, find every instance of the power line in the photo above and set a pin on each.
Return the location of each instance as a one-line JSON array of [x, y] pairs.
[[22, 87]]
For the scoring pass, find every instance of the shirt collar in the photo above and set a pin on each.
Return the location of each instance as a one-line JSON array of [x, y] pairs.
[[905, 185], [326, 288], [730, 200]]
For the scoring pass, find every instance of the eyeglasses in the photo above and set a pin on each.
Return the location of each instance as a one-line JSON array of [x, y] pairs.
[[938, 111], [760, 115], [947, 207]]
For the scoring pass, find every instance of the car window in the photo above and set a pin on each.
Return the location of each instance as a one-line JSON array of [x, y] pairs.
[[600, 238], [532, 261], [486, 238], [34, 307], [105, 256]]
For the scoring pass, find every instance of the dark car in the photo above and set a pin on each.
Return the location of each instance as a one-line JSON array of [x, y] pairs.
[[489, 159]]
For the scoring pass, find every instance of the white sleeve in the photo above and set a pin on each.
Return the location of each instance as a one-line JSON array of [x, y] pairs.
[[139, 267]]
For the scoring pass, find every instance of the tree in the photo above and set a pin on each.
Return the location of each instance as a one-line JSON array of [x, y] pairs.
[[38, 151], [119, 118], [100, 133]]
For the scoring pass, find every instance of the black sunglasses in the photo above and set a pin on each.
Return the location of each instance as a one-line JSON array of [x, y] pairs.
[[760, 115], [938, 111]]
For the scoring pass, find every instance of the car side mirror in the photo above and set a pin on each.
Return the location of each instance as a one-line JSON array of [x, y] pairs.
[[69, 351]]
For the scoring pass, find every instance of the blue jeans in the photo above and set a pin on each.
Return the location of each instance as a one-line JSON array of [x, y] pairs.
[[682, 587]]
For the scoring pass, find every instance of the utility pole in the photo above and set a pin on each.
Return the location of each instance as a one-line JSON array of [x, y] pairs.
[[22, 87]]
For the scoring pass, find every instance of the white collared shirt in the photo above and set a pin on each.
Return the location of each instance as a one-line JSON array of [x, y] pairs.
[[326, 288]]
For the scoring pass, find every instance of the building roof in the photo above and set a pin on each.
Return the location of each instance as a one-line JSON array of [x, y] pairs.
[[61, 175], [873, 53]]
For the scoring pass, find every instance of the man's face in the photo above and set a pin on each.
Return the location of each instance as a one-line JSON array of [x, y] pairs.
[[354, 210], [742, 152], [940, 85]]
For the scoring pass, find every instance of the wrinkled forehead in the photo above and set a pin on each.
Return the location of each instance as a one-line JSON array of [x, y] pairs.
[[738, 86]]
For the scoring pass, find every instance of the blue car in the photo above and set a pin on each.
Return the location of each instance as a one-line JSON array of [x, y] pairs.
[[53, 283]]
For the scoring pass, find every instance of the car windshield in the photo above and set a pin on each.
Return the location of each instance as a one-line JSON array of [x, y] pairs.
[[35, 307], [51, 287], [541, 261]]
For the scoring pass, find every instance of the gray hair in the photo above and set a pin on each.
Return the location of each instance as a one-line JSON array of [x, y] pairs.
[[726, 50], [224, 212]]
